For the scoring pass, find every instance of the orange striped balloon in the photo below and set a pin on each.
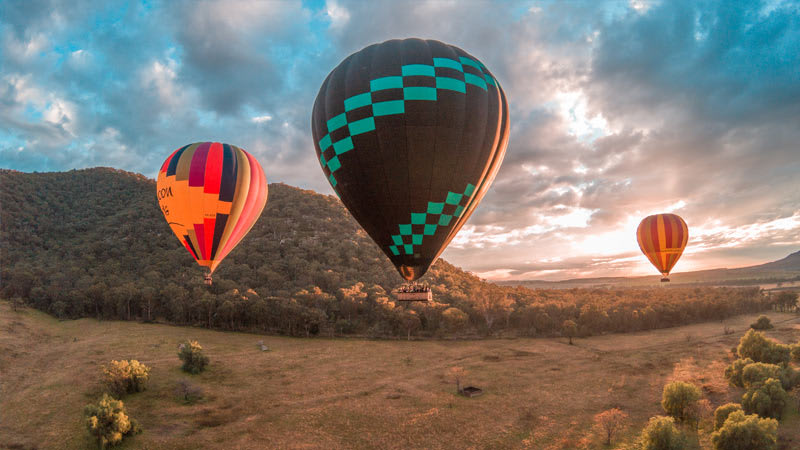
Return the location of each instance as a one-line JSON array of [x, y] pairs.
[[662, 238], [211, 195]]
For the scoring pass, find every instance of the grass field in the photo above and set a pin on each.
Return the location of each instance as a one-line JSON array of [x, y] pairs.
[[353, 393]]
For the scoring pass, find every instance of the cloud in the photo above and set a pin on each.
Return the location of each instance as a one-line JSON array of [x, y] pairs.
[[618, 109]]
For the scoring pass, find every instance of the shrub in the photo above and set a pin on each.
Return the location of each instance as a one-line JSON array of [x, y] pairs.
[[763, 323], [125, 377], [755, 346], [796, 352], [722, 413], [108, 422], [754, 375], [768, 400], [188, 392], [733, 373], [610, 422], [194, 361], [741, 432], [660, 433], [678, 400]]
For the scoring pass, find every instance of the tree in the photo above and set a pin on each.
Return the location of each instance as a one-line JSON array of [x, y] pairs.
[[454, 319], [786, 300], [698, 411], [678, 400], [457, 373], [188, 391], [722, 413], [194, 361], [756, 346], [125, 377], [570, 329], [492, 304], [763, 323], [746, 432], [767, 400], [411, 322], [610, 421], [660, 433], [16, 303], [108, 421]]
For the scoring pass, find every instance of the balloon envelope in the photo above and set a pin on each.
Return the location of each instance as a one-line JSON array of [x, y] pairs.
[[410, 134], [662, 238], [211, 194]]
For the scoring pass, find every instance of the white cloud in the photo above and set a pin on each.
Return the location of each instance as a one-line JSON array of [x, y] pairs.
[[24, 50], [338, 14], [261, 119], [161, 78]]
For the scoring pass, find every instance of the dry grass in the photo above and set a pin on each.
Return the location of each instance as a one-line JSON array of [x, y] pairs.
[[342, 393]]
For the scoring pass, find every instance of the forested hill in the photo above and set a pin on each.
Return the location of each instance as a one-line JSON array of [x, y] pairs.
[[94, 243], [104, 224]]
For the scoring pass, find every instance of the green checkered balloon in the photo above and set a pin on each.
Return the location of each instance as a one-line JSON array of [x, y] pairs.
[[410, 134]]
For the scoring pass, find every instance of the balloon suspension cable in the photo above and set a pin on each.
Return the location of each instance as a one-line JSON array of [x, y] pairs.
[[208, 278]]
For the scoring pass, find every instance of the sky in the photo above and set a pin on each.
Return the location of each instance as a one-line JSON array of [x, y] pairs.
[[618, 109]]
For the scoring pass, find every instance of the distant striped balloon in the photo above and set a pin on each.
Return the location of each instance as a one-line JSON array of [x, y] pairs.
[[211, 195], [662, 238]]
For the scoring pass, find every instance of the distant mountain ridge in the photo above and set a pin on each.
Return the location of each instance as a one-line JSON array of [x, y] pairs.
[[790, 263], [782, 270]]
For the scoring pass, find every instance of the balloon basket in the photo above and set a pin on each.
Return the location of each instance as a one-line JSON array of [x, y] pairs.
[[207, 279], [665, 280], [413, 293]]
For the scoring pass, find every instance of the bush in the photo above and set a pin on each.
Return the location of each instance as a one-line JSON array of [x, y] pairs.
[[108, 422], [763, 323], [678, 400], [660, 433], [722, 413], [741, 432], [796, 352], [194, 361], [733, 373], [125, 377], [755, 346], [767, 400], [188, 392], [754, 375]]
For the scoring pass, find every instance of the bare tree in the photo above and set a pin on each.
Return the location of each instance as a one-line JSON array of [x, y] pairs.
[[610, 422], [457, 373]]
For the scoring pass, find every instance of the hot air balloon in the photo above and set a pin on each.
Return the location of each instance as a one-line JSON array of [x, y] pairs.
[[662, 238], [211, 195], [410, 134]]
